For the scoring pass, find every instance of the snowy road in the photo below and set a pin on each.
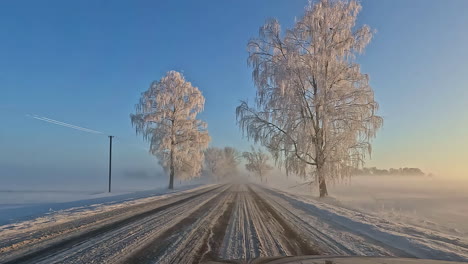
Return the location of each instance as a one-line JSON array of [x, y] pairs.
[[225, 221]]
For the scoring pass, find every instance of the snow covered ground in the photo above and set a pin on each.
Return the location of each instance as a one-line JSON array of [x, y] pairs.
[[56, 207], [228, 221], [350, 231], [19, 203], [434, 203], [106, 232]]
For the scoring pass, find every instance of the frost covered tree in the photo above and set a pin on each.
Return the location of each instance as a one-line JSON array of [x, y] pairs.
[[166, 116], [214, 161], [221, 163], [257, 162], [231, 158], [314, 110]]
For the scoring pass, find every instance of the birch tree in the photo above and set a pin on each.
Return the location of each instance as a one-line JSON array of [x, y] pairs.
[[314, 109], [257, 162], [214, 161], [166, 116], [222, 163], [232, 159]]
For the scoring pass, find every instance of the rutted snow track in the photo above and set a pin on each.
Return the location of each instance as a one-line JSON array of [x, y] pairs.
[[216, 222], [256, 230], [116, 237]]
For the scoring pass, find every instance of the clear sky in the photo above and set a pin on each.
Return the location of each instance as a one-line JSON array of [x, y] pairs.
[[86, 63]]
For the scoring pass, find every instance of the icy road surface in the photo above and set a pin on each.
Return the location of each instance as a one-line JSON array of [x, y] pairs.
[[229, 221]]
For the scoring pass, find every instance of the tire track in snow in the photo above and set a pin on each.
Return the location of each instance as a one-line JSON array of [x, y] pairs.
[[214, 242], [240, 241], [256, 230], [81, 222], [328, 244], [369, 235], [125, 242], [76, 245], [296, 243], [335, 243], [180, 242]]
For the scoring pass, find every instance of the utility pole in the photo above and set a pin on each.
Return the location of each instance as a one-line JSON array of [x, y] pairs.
[[110, 161]]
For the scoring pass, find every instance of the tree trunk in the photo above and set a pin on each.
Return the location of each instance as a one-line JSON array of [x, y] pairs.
[[322, 186], [171, 176], [172, 169], [171, 179], [320, 164]]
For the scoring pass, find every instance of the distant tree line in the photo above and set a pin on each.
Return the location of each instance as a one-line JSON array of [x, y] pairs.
[[391, 171]]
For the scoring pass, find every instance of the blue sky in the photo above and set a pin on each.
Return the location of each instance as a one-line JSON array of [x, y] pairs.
[[86, 63]]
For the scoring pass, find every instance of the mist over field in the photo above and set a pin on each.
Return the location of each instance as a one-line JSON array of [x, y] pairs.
[[57, 185], [430, 202], [433, 202]]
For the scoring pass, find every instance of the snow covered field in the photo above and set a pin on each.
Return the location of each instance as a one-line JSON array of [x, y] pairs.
[[58, 190], [351, 231], [54, 206], [436, 204], [433, 203]]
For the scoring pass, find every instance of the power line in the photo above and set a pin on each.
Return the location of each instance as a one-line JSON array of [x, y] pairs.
[[59, 123], [88, 130], [83, 129]]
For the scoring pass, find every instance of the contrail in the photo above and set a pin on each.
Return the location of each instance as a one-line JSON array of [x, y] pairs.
[[55, 122]]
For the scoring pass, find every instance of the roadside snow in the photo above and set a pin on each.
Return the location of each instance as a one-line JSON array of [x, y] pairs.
[[33, 217], [414, 240], [434, 203]]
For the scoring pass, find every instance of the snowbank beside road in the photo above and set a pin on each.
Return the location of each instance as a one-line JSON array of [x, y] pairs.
[[403, 238], [433, 203], [23, 218]]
